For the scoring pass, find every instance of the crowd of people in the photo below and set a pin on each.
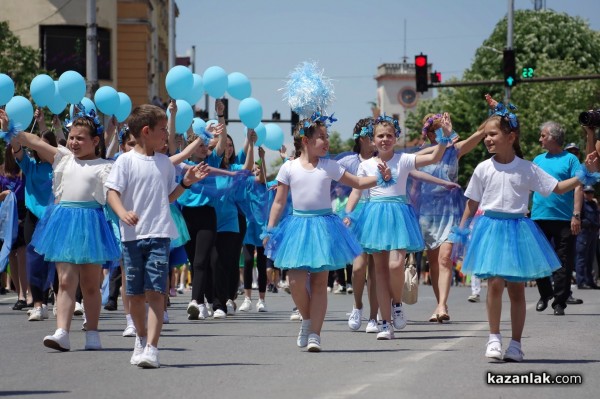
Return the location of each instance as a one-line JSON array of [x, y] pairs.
[[136, 201]]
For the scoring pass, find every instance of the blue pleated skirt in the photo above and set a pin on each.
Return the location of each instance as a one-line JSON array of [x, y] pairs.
[[388, 223], [184, 235], [315, 241], [509, 246], [75, 232]]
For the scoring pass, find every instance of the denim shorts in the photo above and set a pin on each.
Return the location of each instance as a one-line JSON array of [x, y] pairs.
[[146, 265]]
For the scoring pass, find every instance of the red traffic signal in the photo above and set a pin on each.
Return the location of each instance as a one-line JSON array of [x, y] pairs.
[[421, 60], [421, 72], [436, 77]]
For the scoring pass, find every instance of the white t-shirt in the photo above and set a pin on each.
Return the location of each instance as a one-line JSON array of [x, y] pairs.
[[506, 187], [78, 180], [310, 188], [400, 164], [145, 183]]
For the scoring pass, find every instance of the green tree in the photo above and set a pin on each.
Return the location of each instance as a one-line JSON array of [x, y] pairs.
[[554, 44]]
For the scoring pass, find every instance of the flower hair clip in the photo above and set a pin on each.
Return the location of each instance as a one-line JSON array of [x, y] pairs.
[[428, 123], [13, 130], [92, 116], [365, 131], [500, 110], [394, 122]]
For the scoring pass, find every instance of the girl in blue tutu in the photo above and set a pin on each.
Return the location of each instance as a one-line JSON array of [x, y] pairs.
[[387, 226], [506, 247], [313, 239], [74, 233]]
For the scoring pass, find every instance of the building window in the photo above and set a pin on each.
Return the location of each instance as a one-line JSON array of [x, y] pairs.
[[63, 49]]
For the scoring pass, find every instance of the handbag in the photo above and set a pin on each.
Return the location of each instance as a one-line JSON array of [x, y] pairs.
[[410, 293]]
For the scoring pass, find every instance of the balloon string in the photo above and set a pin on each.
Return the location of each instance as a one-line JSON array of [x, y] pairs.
[[33, 126]]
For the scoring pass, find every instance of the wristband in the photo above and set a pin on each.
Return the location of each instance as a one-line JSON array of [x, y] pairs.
[[18, 151], [220, 116], [182, 184]]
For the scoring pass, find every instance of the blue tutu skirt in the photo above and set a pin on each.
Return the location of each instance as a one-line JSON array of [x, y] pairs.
[[312, 241], [75, 232], [388, 223], [177, 257], [184, 235], [508, 246], [438, 214]]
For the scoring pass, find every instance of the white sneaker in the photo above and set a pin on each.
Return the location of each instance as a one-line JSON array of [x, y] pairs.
[[302, 340], [493, 350], [314, 343], [295, 316], [349, 289], [54, 310], [372, 326], [92, 341], [513, 354], [130, 331], [78, 309], [261, 306], [149, 358], [138, 350], [202, 312], [398, 318], [473, 298], [355, 319], [246, 305], [180, 289], [58, 341], [209, 309], [84, 324], [193, 311], [45, 311], [219, 314], [386, 333], [340, 290], [166, 318], [230, 307], [35, 314]]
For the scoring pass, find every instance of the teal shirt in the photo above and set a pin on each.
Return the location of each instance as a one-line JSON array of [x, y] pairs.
[[38, 185]]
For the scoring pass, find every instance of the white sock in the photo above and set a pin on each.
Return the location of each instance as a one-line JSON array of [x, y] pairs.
[[306, 323], [515, 344], [495, 337], [129, 319]]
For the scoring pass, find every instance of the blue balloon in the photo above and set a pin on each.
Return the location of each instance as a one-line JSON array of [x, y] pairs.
[[7, 88], [250, 112], [124, 107], [20, 111], [42, 89], [274, 139], [107, 100], [215, 81], [197, 125], [239, 86], [57, 105], [71, 86], [87, 103], [196, 92], [261, 134], [184, 116], [179, 82]]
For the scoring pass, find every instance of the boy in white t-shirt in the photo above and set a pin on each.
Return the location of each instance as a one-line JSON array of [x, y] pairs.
[[141, 186]]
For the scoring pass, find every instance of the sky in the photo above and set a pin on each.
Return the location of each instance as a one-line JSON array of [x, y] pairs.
[[349, 39]]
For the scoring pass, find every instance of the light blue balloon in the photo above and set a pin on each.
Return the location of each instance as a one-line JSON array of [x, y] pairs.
[[179, 82], [250, 112], [196, 92], [20, 111], [124, 107], [7, 88], [107, 100], [215, 81], [239, 86], [184, 116], [57, 105], [42, 89], [274, 139], [261, 134], [197, 125], [87, 103], [71, 86]]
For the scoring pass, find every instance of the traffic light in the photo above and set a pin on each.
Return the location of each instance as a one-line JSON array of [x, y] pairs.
[[510, 73], [225, 102], [421, 73], [276, 116], [294, 120], [436, 77]]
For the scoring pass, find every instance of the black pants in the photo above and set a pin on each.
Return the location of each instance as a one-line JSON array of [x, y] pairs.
[[114, 284], [341, 276], [261, 266], [559, 233], [201, 223]]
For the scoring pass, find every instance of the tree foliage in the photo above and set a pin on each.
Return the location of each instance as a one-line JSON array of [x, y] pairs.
[[554, 44]]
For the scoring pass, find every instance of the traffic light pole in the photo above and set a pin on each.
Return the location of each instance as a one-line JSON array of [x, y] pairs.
[[532, 80], [509, 42]]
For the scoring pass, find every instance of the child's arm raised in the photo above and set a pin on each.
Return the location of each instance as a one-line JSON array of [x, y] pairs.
[[44, 150], [192, 175], [171, 127]]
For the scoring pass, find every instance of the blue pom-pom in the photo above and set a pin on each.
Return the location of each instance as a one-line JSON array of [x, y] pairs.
[[586, 177], [307, 91], [385, 183], [267, 232], [13, 130], [459, 237], [441, 139]]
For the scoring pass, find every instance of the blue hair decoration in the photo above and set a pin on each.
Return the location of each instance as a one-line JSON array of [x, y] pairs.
[[500, 110], [13, 130], [389, 119], [317, 117], [122, 133], [92, 116], [307, 91], [364, 132]]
